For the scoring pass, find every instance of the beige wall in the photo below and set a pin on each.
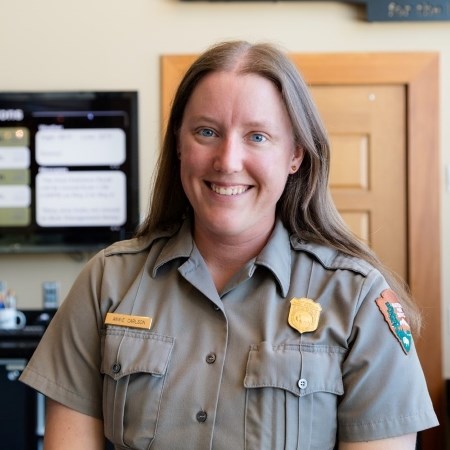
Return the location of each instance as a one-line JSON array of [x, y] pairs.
[[111, 44]]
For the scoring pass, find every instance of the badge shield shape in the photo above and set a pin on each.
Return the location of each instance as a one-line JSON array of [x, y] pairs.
[[304, 315]]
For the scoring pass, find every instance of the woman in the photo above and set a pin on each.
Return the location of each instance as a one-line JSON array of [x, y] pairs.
[[244, 315]]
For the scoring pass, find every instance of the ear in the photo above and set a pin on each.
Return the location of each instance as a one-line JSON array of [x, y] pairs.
[[297, 159]]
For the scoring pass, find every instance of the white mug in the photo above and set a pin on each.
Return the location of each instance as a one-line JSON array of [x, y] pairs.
[[12, 319]]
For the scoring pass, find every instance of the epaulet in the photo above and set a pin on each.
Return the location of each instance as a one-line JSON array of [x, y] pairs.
[[137, 245], [330, 258]]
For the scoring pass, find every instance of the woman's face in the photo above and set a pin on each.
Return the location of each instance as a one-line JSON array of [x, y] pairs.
[[236, 148]]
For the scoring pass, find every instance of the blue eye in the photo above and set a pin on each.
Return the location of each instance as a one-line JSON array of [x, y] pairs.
[[257, 137], [206, 132]]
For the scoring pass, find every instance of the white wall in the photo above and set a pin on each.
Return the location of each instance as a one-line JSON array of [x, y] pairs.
[[111, 44]]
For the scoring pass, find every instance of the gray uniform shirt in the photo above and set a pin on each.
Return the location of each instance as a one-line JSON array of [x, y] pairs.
[[227, 371]]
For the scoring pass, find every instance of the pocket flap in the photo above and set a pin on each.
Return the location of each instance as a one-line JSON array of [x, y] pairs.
[[127, 351], [298, 368]]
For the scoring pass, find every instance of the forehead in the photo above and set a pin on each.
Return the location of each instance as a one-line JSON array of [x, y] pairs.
[[234, 91], [233, 78]]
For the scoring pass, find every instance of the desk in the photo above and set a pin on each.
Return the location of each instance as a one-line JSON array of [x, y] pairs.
[[20, 343]]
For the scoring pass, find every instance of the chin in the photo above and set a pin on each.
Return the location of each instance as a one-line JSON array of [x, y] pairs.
[[224, 226]]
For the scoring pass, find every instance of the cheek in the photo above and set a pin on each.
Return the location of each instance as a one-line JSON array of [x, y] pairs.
[[275, 177], [185, 173], [190, 164], [274, 171], [192, 170]]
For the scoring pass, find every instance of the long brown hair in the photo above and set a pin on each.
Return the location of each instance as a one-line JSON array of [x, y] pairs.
[[305, 207]]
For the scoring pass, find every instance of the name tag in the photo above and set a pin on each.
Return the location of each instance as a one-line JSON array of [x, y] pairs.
[[126, 320]]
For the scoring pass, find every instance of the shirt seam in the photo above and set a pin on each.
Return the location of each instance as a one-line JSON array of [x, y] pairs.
[[51, 382], [382, 420]]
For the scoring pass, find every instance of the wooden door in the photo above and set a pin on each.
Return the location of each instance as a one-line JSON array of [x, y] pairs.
[[366, 126], [414, 77]]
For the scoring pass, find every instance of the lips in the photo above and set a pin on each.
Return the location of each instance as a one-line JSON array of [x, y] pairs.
[[229, 190]]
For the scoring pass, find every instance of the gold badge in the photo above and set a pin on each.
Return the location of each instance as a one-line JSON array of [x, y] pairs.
[[126, 320], [304, 315]]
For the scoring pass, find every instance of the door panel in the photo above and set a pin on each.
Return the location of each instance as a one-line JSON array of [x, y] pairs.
[[349, 159], [366, 126]]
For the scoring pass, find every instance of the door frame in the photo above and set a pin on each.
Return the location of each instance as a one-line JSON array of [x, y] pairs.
[[418, 72]]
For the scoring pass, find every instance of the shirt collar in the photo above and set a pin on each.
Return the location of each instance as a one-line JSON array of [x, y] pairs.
[[275, 256], [179, 246]]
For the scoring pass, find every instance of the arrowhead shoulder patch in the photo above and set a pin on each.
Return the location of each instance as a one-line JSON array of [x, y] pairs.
[[392, 311]]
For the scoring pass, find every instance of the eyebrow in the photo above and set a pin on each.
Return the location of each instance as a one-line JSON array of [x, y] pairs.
[[202, 118], [252, 123]]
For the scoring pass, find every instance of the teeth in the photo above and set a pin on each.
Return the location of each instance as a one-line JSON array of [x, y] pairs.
[[230, 190]]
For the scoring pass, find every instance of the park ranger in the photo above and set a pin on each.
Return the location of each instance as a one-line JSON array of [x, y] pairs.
[[244, 315]]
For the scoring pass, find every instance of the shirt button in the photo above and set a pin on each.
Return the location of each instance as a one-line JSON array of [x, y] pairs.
[[116, 368], [216, 308], [211, 358], [201, 416], [302, 383]]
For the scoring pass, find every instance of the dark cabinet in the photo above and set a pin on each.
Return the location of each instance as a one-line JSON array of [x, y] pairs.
[[22, 409]]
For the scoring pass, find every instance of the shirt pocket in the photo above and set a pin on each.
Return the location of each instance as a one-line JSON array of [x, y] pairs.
[[134, 364], [292, 393]]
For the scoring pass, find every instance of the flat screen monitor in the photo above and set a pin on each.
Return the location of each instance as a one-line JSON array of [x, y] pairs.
[[68, 170]]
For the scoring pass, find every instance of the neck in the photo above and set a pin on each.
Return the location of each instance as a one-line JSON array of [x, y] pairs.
[[225, 256]]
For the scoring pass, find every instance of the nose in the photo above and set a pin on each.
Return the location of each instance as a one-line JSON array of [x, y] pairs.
[[229, 157]]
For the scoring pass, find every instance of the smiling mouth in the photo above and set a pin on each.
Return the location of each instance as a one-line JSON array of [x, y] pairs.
[[229, 190]]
